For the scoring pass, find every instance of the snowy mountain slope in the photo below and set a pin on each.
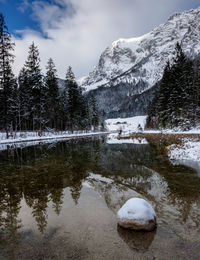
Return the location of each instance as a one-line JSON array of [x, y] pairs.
[[135, 60]]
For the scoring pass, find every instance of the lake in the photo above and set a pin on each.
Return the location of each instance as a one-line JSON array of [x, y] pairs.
[[59, 200]]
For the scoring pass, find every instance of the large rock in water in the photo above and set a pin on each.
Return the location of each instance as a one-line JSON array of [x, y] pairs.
[[137, 214]]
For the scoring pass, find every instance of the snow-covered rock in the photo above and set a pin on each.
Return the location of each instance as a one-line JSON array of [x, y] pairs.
[[137, 214]]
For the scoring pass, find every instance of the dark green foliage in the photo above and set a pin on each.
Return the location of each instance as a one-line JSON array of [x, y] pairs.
[[63, 110], [36, 91], [77, 104], [40, 106], [94, 114], [6, 75], [151, 111], [73, 99], [195, 99], [31, 91], [24, 93], [177, 102], [52, 95]]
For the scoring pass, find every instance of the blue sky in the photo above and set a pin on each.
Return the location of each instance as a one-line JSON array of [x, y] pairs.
[[19, 15], [15, 18], [75, 32]]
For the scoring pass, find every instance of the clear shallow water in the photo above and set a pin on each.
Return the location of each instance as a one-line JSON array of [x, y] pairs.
[[59, 201]]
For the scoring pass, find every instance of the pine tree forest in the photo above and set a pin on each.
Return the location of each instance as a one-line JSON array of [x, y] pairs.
[[177, 103], [33, 101]]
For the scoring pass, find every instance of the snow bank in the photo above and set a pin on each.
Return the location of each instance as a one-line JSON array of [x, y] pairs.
[[33, 136], [21, 145], [126, 125], [189, 151], [177, 130]]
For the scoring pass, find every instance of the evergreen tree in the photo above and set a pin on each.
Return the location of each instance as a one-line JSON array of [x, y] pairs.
[[102, 116], [36, 89], [162, 107], [195, 97], [6, 75], [152, 121], [94, 115], [23, 104], [51, 94], [173, 105], [73, 96], [180, 92], [63, 110], [84, 121], [13, 106], [76, 102]]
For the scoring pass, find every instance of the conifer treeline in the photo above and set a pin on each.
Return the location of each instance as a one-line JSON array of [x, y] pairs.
[[177, 103], [33, 101]]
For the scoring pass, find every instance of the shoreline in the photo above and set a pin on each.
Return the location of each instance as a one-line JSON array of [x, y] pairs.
[[177, 146], [54, 137]]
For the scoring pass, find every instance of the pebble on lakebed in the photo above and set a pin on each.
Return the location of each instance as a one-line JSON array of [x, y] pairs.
[[137, 214]]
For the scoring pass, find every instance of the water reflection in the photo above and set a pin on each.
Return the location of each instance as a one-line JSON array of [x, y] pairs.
[[137, 241], [36, 178]]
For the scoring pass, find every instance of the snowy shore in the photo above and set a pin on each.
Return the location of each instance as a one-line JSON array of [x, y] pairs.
[[33, 136], [189, 150]]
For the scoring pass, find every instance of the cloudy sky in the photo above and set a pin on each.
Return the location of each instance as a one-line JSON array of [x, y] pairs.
[[75, 32]]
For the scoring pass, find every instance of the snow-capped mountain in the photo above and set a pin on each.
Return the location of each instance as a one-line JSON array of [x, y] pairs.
[[134, 65], [149, 52]]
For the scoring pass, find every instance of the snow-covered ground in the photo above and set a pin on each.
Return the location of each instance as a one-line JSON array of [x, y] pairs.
[[126, 125], [33, 136], [23, 144], [187, 154], [137, 124], [190, 150]]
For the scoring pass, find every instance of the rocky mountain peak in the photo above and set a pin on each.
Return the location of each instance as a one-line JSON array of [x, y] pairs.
[[143, 59]]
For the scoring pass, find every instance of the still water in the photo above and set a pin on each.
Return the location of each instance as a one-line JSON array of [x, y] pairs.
[[59, 201]]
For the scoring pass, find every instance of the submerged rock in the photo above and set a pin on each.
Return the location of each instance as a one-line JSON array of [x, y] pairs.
[[137, 214]]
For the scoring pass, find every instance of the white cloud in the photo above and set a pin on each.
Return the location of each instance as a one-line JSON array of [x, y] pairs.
[[24, 5], [75, 32]]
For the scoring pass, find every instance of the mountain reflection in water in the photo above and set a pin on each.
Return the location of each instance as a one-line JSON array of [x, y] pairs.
[[38, 183]]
